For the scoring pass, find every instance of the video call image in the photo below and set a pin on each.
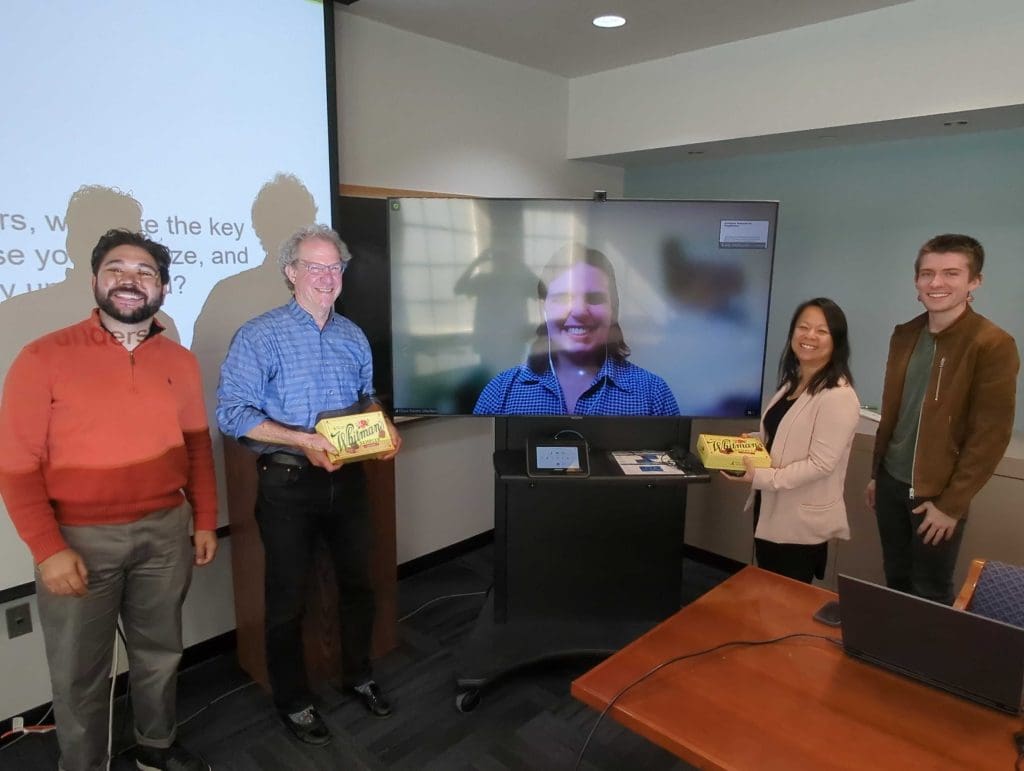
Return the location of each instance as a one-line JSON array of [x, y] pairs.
[[548, 307]]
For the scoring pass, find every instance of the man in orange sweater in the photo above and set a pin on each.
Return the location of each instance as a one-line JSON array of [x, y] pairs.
[[103, 433]]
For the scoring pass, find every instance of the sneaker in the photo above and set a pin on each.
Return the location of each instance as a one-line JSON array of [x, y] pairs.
[[373, 699], [173, 758], [307, 726]]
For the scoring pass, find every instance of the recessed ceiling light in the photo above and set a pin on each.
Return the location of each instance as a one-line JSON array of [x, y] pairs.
[[609, 21]]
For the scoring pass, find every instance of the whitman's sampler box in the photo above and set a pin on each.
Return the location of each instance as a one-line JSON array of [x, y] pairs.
[[359, 436], [726, 453]]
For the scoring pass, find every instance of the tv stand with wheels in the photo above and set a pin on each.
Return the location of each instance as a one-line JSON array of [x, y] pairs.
[[583, 565]]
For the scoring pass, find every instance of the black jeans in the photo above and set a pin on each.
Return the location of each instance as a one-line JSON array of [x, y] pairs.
[[294, 508], [911, 565]]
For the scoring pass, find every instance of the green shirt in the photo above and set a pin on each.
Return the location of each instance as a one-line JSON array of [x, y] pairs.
[[899, 456]]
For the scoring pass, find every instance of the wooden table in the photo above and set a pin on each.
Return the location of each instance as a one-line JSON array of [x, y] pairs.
[[796, 704]]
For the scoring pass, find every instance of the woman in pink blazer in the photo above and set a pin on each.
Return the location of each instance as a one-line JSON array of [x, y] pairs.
[[808, 428]]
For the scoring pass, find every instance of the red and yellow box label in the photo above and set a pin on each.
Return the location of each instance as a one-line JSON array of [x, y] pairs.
[[726, 453], [360, 436]]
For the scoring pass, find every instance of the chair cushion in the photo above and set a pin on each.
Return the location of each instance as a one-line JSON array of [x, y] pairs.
[[1000, 593]]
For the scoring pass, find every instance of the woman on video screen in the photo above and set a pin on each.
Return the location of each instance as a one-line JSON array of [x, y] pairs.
[[808, 428], [577, 365]]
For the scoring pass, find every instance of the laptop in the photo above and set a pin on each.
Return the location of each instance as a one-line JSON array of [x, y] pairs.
[[968, 655]]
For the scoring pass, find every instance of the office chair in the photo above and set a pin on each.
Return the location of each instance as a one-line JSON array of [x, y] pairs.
[[995, 590]]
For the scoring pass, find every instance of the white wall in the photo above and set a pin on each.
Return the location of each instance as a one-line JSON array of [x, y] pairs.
[[26, 681], [418, 114], [926, 57]]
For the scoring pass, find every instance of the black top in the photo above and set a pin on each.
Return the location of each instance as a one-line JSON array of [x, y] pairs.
[[773, 417]]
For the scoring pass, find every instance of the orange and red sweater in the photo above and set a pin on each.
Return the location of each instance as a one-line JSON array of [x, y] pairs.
[[94, 434]]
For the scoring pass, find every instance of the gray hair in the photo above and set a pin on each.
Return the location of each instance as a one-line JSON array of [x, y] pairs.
[[290, 249]]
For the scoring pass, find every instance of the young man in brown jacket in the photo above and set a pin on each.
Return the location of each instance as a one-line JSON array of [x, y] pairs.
[[947, 417]]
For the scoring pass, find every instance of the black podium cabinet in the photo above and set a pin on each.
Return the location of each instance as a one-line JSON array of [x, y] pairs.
[[582, 565]]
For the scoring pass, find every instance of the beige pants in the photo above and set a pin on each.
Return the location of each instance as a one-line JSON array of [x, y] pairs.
[[140, 571]]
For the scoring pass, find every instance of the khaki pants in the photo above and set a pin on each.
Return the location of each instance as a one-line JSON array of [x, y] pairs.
[[140, 571]]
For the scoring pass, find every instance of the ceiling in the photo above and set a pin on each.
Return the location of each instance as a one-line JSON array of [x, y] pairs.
[[557, 35]]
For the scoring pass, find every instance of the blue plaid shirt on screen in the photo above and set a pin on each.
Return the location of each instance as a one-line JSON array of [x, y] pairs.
[[282, 367], [619, 388]]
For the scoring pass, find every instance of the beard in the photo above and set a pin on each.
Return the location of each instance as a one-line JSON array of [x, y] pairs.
[[147, 310]]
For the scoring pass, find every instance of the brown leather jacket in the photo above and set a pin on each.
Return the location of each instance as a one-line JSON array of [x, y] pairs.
[[967, 415]]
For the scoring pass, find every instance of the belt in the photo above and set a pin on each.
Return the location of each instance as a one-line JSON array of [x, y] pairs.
[[286, 459]]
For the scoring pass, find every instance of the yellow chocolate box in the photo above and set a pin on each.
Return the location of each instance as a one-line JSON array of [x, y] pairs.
[[726, 453], [359, 436]]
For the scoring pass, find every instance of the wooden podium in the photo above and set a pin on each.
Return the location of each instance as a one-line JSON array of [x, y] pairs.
[[320, 626]]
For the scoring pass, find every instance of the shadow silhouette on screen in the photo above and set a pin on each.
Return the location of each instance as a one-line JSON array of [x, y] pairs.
[[282, 206], [92, 211]]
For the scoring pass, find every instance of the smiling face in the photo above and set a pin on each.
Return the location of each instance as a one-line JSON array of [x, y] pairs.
[[578, 311], [812, 341], [316, 275], [127, 285], [944, 283]]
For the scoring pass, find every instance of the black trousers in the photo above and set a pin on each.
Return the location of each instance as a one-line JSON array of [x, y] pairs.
[[799, 561], [911, 565], [296, 507]]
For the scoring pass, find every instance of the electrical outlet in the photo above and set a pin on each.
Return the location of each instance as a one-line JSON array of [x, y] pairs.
[[19, 620]]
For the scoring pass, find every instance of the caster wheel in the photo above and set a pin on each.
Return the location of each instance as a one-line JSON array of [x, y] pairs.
[[467, 701]]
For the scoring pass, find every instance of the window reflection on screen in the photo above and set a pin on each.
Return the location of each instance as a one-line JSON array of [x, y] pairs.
[[663, 305]]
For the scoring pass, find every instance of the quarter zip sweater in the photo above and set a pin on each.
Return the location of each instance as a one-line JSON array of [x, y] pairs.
[[967, 414], [94, 434]]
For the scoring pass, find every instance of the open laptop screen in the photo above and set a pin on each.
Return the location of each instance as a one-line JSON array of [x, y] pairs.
[[963, 653]]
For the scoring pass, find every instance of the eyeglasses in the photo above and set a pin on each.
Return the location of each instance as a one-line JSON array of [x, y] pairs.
[[142, 274], [316, 269]]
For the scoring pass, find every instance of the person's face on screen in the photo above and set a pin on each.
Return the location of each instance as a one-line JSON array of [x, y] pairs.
[[316, 275], [812, 340], [578, 310], [127, 285], [944, 282]]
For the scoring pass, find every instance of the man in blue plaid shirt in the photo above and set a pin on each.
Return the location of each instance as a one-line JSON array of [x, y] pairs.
[[282, 370]]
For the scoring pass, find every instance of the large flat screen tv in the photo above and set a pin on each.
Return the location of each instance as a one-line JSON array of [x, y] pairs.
[[579, 307]]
